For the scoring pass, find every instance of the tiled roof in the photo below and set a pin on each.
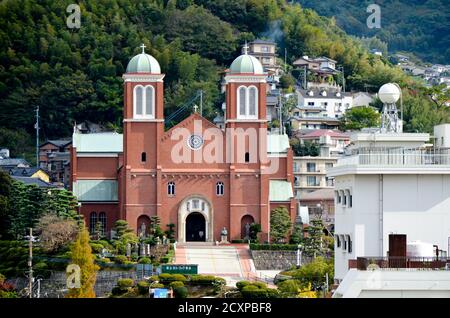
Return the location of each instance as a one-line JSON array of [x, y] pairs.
[[322, 194], [100, 143], [280, 191], [325, 132], [13, 162], [36, 181]]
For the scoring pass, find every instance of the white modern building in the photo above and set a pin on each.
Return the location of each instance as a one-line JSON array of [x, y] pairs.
[[320, 108], [392, 195]]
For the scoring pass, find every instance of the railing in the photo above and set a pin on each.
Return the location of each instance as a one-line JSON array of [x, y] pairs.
[[396, 159], [393, 262]]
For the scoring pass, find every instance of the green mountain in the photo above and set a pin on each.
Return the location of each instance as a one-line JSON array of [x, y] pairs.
[[75, 74], [418, 26]]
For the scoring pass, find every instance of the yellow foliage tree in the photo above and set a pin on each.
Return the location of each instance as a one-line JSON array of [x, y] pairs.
[[307, 293], [81, 254]]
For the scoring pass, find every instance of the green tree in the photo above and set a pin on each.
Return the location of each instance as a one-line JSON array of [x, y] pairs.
[[314, 274], [307, 148], [81, 255], [360, 117], [313, 242], [280, 224], [5, 192]]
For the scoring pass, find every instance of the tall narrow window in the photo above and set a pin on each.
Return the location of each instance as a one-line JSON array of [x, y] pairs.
[[219, 188], [102, 220], [242, 101], [92, 222], [149, 101], [139, 97], [247, 157], [144, 157], [252, 101], [171, 188]]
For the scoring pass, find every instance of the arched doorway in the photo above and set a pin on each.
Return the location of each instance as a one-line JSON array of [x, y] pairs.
[[246, 221], [143, 226], [188, 219], [195, 227]]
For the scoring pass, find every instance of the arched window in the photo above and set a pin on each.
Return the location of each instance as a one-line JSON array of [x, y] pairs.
[[149, 102], [102, 220], [247, 102], [171, 188], [247, 157], [242, 100], [138, 101], [219, 188], [92, 222], [144, 157], [144, 102], [253, 98]]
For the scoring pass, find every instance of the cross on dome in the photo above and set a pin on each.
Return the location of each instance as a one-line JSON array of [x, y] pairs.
[[143, 48], [246, 47]]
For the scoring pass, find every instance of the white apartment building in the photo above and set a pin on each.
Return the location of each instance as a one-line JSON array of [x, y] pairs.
[[310, 174], [390, 183], [320, 108]]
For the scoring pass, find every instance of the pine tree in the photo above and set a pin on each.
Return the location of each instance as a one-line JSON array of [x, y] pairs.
[[81, 255]]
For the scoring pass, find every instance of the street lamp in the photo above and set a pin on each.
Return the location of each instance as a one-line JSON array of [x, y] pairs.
[[299, 255]]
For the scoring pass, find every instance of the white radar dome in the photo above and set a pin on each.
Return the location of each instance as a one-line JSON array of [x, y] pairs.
[[389, 93]]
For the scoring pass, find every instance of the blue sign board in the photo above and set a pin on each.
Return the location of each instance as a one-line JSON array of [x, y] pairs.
[[161, 293]]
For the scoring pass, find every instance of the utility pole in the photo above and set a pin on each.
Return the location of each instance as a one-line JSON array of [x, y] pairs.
[[30, 262], [201, 102], [285, 60], [37, 136]]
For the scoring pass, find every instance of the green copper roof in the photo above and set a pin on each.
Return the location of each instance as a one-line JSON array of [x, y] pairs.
[[277, 143], [143, 63], [99, 143], [280, 191], [246, 64]]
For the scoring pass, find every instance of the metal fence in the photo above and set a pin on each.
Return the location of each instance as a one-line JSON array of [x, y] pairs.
[[367, 263]]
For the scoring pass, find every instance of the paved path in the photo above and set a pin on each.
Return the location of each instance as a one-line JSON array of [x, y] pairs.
[[232, 262]]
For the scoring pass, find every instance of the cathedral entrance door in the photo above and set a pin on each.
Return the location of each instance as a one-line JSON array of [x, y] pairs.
[[195, 228]]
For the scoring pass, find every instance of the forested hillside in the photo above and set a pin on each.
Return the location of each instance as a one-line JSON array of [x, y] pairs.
[[75, 74], [418, 26]]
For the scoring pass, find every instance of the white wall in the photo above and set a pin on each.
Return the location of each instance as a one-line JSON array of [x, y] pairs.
[[442, 135], [415, 205]]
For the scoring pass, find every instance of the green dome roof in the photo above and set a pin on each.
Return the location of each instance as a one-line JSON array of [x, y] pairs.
[[246, 64], [143, 63]]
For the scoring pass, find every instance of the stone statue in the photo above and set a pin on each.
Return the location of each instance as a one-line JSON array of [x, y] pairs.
[[142, 232], [247, 231], [224, 236], [142, 249], [128, 250]]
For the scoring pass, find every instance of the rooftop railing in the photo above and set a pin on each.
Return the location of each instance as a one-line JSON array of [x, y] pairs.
[[393, 262], [396, 159]]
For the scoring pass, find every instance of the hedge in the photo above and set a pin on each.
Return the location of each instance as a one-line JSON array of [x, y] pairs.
[[273, 247]]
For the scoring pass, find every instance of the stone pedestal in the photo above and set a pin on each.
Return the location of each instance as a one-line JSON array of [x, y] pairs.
[[224, 239]]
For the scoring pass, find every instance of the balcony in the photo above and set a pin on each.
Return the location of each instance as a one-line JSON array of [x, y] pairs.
[[394, 263]]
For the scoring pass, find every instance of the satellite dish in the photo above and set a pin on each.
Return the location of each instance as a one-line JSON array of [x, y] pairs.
[[389, 93]]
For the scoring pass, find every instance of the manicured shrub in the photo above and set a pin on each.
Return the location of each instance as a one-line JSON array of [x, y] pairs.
[[203, 279], [121, 259], [164, 259], [96, 247], [145, 260], [176, 284], [242, 284], [180, 292], [153, 278], [143, 287], [117, 291], [125, 283], [252, 291], [156, 285], [167, 278]]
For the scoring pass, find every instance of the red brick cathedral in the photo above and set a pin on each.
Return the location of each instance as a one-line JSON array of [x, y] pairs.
[[196, 175]]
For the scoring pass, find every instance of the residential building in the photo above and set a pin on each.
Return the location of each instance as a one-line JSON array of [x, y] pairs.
[[390, 183], [320, 108], [320, 204], [11, 163], [310, 174], [322, 67], [148, 171], [29, 173], [54, 157], [265, 52], [331, 143], [362, 99], [4, 153]]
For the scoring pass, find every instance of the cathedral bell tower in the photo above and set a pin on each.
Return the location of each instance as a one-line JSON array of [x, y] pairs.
[[246, 129], [142, 129]]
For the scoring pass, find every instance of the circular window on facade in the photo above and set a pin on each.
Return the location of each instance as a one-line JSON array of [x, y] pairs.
[[195, 142]]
